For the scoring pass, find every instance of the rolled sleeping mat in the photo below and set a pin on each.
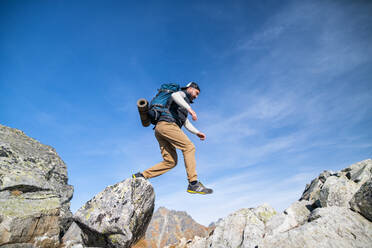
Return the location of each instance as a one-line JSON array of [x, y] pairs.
[[143, 109]]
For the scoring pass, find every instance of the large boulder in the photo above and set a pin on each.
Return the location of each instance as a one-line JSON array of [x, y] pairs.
[[34, 194], [74, 237], [116, 217], [297, 214], [243, 228], [359, 172], [312, 190], [338, 188], [362, 200], [337, 191]]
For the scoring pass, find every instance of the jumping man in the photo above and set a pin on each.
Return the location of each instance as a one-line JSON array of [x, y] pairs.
[[170, 136]]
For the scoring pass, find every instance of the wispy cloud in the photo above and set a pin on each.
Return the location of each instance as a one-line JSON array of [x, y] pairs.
[[305, 98], [261, 39]]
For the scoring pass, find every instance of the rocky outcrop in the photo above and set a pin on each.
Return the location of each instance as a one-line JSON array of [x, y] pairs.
[[116, 217], [34, 193], [325, 227], [334, 211], [338, 188], [243, 228], [35, 202], [169, 226]]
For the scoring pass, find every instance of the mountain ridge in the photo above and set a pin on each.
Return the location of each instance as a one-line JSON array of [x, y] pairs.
[[168, 226], [335, 210]]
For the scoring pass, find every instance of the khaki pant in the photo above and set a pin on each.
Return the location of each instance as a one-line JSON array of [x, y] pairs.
[[170, 136]]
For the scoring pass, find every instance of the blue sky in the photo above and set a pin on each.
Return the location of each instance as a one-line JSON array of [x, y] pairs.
[[286, 91]]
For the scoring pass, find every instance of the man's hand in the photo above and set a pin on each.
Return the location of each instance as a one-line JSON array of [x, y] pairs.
[[193, 114], [201, 136]]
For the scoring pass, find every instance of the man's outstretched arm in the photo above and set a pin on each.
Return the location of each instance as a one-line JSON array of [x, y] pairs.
[[190, 127]]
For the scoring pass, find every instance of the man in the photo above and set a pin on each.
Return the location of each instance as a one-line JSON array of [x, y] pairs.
[[170, 136]]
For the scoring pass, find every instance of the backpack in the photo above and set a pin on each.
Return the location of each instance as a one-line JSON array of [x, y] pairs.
[[159, 105]]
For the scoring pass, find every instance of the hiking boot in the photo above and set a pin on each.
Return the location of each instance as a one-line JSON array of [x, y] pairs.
[[198, 188], [138, 175]]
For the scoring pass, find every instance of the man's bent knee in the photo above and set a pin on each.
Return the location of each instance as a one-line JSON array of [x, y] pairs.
[[189, 148], [170, 163]]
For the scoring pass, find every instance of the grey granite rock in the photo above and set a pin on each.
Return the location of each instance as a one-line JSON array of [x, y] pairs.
[[185, 243], [119, 215], [230, 232], [19, 245], [362, 200], [74, 237], [337, 188], [312, 190], [337, 191], [34, 194], [359, 172], [244, 228], [294, 216]]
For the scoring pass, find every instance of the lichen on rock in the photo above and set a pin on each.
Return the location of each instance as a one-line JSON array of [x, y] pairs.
[[34, 193], [118, 216]]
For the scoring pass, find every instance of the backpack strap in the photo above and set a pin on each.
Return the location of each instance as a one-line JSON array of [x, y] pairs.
[[166, 90]]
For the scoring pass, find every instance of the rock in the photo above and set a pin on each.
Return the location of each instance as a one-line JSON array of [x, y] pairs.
[[254, 231], [74, 237], [359, 172], [312, 190], [299, 211], [244, 228], [118, 216], [34, 194], [197, 242], [337, 188], [327, 227], [19, 245], [362, 200], [184, 243], [337, 191], [294, 216], [28, 219], [229, 232]]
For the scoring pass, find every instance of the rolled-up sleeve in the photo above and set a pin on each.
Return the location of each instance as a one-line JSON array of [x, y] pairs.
[[178, 97], [190, 127]]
